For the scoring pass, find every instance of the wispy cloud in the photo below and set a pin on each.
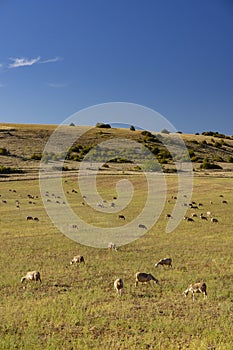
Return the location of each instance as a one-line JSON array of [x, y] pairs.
[[22, 62], [51, 60], [57, 85]]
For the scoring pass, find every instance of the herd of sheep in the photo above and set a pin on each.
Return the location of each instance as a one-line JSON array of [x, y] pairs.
[[140, 277]]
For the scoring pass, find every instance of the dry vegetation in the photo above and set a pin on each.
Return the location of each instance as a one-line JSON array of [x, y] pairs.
[[23, 142], [76, 307]]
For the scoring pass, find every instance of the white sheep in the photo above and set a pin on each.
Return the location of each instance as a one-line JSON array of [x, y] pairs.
[[144, 278], [119, 285], [199, 287], [78, 259], [112, 246], [31, 276]]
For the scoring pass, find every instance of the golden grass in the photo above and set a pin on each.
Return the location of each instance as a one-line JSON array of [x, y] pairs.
[[76, 307]]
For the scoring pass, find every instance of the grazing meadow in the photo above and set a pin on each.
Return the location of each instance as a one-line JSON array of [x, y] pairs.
[[76, 307]]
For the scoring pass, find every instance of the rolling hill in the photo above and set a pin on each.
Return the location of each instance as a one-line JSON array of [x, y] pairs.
[[22, 146]]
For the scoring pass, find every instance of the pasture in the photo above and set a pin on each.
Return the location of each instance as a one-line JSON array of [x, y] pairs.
[[76, 307]]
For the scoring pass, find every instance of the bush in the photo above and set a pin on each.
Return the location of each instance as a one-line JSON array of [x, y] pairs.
[[36, 156], [102, 125], [9, 170], [229, 159], [165, 131], [155, 150], [218, 159], [120, 160], [4, 152], [151, 165], [146, 133], [207, 165], [132, 128]]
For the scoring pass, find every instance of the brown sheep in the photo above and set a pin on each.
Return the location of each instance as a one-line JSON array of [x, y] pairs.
[[78, 259], [144, 278], [164, 262], [199, 287], [119, 285], [214, 220]]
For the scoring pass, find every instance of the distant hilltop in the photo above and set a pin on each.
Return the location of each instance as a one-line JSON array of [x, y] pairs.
[[22, 147]]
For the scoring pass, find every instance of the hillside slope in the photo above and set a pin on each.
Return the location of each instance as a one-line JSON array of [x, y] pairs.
[[21, 146]]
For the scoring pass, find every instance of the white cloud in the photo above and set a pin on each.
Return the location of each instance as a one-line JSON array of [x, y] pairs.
[[51, 60], [22, 62]]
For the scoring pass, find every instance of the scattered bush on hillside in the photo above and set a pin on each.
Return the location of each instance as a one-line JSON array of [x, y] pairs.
[[229, 159], [120, 160], [36, 156], [207, 165], [151, 165], [217, 144], [213, 133], [51, 156], [194, 141], [218, 159], [9, 170], [170, 170], [132, 128], [4, 152], [204, 142], [165, 131], [102, 125], [155, 150], [146, 133]]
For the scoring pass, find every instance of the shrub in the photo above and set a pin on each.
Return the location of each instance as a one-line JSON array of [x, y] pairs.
[[218, 144], [120, 160], [4, 152], [36, 156], [146, 133], [132, 128], [191, 153], [218, 159], [207, 165], [151, 165], [102, 125], [195, 159], [155, 150], [165, 131], [9, 170], [230, 159]]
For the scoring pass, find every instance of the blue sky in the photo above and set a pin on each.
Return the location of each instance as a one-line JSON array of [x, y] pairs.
[[174, 56]]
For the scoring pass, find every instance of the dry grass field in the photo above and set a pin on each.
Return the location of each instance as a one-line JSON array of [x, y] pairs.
[[76, 307]]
